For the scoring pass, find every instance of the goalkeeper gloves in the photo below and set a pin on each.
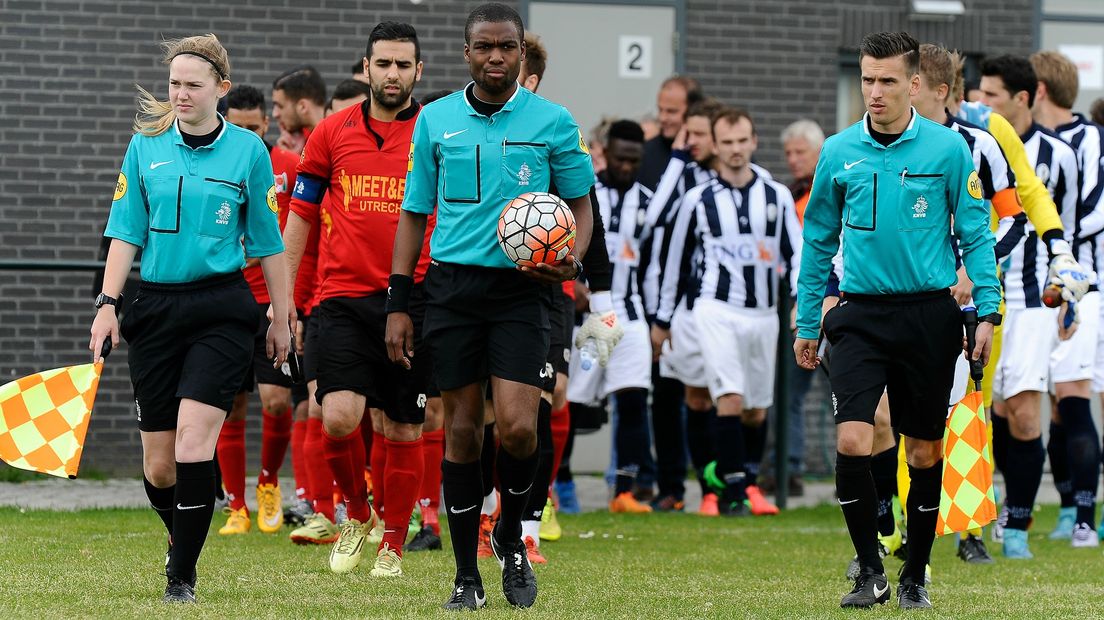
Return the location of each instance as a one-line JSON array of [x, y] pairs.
[[601, 326], [1066, 273]]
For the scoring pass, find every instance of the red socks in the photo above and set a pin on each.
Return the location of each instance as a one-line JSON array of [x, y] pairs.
[[561, 428], [379, 471], [433, 452], [275, 436], [346, 458], [318, 469], [403, 475], [230, 451], [299, 458]]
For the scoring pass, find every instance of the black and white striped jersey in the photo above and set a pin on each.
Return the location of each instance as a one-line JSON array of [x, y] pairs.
[[747, 236], [1087, 140], [681, 175], [1055, 164], [998, 183], [625, 214]]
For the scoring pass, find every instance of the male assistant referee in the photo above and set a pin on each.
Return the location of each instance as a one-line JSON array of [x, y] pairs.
[[473, 152], [896, 185]]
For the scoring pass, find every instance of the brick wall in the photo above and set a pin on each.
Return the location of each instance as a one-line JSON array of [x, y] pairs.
[[67, 75]]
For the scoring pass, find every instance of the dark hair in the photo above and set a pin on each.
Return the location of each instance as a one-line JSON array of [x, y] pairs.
[[394, 31], [972, 84], [435, 95], [881, 45], [690, 85], [357, 68], [302, 82], [245, 97], [708, 107], [1015, 71], [1096, 111], [347, 89], [629, 131], [536, 57], [493, 12], [732, 116]]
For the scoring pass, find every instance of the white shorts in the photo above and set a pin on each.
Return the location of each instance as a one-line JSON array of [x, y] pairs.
[[1030, 335], [740, 351], [1098, 361], [630, 366], [682, 356], [1075, 359]]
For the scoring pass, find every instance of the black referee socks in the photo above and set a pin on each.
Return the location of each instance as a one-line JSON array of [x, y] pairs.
[[923, 511], [195, 503], [161, 500], [1083, 454], [538, 495], [1023, 475], [859, 502], [463, 487], [883, 468], [517, 477]]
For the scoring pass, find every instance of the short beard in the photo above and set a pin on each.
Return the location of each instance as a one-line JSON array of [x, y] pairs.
[[390, 102]]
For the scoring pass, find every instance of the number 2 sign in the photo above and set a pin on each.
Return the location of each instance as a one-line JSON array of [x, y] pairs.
[[634, 57]]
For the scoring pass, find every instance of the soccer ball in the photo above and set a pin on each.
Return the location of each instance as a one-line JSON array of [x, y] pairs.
[[536, 227]]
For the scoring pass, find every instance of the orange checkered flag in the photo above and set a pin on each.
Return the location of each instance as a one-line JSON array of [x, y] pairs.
[[44, 419], [966, 501]]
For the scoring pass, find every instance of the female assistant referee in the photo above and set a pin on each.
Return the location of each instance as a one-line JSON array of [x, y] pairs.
[[192, 191]]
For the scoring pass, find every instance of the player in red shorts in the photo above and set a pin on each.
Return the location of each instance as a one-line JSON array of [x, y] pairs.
[[360, 156]]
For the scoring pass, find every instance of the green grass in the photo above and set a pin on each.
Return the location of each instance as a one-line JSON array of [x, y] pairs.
[[106, 563]]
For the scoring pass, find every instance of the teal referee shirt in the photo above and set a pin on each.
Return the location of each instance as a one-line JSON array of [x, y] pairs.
[[469, 167], [192, 210], [896, 207]]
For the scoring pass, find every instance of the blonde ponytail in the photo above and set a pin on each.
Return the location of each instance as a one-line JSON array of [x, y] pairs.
[[154, 117]]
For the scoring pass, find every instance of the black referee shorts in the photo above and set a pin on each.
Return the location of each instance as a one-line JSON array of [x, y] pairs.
[[482, 321], [560, 319], [352, 355], [906, 345], [262, 371], [192, 340]]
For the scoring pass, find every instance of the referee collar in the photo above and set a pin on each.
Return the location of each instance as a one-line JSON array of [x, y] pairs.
[[909, 133], [179, 139], [510, 104]]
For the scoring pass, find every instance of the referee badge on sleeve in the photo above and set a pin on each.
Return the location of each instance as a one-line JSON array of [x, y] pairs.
[[973, 185], [582, 143], [120, 187], [272, 204]]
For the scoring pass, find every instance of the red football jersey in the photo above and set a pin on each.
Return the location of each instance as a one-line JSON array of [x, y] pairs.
[[361, 167], [284, 163]]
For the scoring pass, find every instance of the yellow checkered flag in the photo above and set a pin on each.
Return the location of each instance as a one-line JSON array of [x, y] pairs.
[[44, 419]]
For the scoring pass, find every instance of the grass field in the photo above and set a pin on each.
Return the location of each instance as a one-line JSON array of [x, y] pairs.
[[106, 563]]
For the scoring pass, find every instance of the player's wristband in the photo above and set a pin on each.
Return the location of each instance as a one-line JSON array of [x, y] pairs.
[[398, 293], [1055, 243], [601, 301]]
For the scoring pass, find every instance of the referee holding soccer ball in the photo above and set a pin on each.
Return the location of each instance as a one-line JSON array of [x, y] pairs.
[[896, 185], [472, 153], [192, 191]]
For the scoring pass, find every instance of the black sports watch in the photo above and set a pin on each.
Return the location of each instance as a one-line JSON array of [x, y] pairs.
[[103, 300], [994, 318], [578, 267]]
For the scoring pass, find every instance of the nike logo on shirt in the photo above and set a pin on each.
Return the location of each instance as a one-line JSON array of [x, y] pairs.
[[156, 165], [848, 166], [454, 511], [448, 135], [181, 507]]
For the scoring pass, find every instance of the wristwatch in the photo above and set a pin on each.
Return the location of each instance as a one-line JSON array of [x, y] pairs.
[[994, 318], [103, 300], [578, 267]]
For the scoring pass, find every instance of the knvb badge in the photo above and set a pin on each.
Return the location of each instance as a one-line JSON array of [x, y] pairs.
[[524, 173], [223, 214], [920, 208]]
